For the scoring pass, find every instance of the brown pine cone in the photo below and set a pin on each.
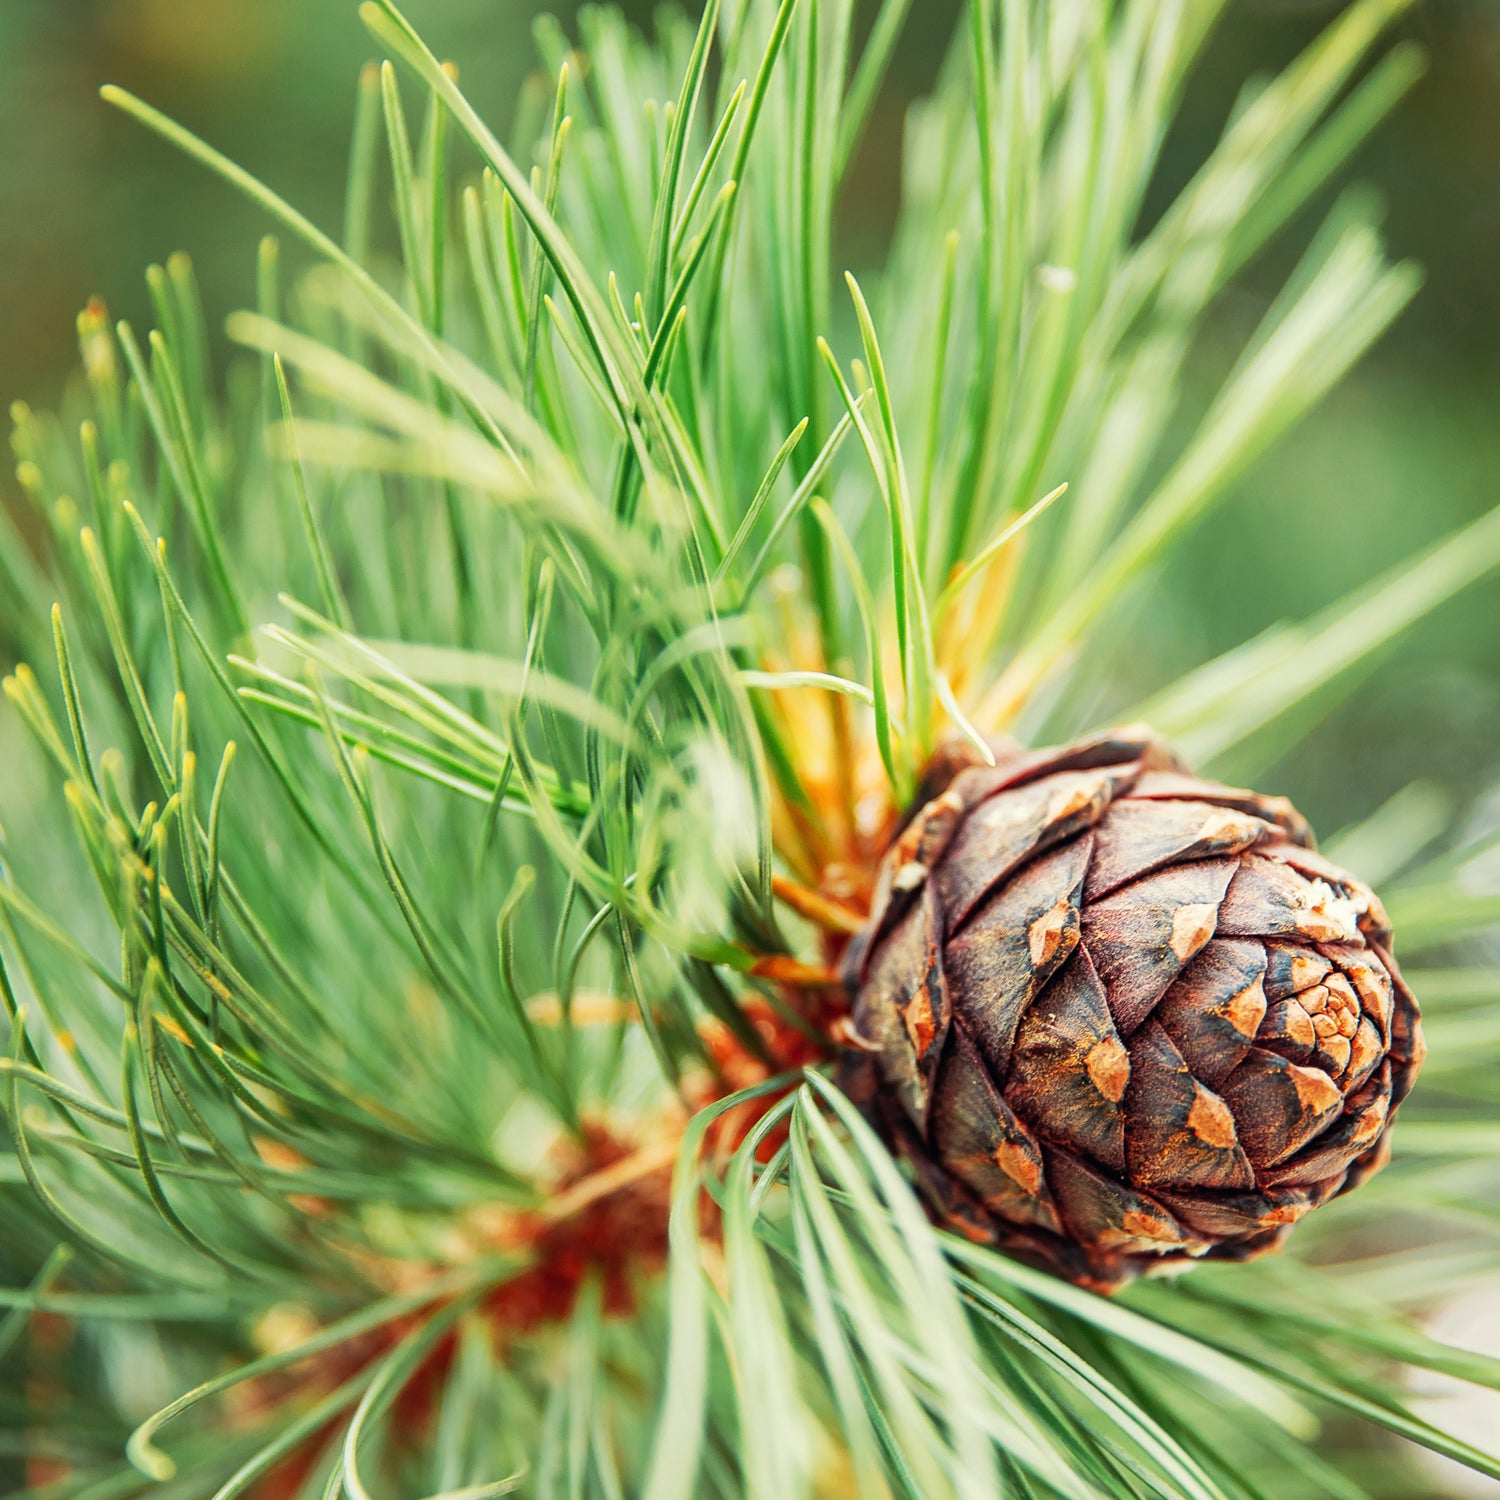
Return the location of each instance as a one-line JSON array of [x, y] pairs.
[[1116, 1018]]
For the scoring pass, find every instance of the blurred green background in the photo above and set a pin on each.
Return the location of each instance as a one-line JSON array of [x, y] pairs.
[[1405, 450]]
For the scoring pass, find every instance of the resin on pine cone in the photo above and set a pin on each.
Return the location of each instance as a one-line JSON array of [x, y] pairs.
[[1117, 1018]]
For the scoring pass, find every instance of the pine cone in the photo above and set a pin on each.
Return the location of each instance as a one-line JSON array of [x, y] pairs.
[[1116, 1017]]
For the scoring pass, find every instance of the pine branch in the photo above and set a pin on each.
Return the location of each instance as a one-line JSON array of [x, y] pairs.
[[463, 741]]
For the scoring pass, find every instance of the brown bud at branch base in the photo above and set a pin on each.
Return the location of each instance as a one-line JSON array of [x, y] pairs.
[[1116, 1018]]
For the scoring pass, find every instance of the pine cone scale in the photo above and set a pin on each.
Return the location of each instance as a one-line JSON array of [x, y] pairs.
[[1216, 1007], [1178, 1133], [1123, 1016], [1004, 833], [1070, 1067], [1022, 936], [1140, 840], [987, 1144]]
